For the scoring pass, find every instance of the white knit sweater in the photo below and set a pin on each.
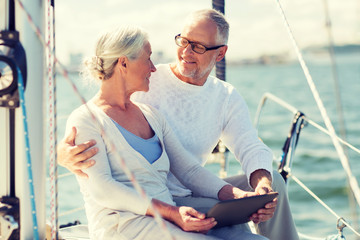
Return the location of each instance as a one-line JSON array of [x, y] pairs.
[[201, 115]]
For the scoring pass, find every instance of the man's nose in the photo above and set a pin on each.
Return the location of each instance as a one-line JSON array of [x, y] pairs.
[[188, 49]]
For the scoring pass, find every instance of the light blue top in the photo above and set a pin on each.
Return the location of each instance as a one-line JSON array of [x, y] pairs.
[[149, 148]]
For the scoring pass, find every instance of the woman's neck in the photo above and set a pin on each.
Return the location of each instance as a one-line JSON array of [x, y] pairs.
[[113, 94]]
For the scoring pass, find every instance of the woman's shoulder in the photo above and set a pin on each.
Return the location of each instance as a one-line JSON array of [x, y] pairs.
[[148, 109], [83, 114], [151, 113]]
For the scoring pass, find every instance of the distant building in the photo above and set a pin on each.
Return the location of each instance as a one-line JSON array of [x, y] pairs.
[[75, 62], [159, 58]]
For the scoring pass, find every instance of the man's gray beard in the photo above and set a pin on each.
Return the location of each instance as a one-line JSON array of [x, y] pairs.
[[196, 75], [189, 74]]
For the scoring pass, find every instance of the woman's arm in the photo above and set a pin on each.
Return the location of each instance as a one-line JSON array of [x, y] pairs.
[[100, 184]]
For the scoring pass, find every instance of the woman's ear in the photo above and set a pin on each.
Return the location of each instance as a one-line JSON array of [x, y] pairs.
[[123, 62]]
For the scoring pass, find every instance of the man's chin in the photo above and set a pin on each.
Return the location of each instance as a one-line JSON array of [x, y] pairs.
[[187, 73]]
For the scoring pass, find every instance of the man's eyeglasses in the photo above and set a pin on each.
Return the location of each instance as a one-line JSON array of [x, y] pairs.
[[196, 47]]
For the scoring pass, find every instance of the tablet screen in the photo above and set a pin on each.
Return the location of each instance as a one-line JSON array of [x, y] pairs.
[[238, 211]]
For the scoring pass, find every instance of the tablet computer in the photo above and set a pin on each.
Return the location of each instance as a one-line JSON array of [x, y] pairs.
[[238, 211]]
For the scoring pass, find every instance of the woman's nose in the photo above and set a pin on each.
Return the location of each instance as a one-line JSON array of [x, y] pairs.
[[153, 68]]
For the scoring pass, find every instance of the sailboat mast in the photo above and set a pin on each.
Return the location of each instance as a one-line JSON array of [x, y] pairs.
[[220, 66]]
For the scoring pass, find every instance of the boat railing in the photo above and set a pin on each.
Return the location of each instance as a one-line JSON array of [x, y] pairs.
[[341, 222], [284, 104]]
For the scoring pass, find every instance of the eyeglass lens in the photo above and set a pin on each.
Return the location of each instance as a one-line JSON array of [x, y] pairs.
[[196, 47]]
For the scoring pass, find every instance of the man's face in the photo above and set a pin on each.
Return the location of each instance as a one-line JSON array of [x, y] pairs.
[[193, 67]]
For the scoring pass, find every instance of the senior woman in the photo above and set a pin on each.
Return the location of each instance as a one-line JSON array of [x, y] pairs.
[[146, 144]]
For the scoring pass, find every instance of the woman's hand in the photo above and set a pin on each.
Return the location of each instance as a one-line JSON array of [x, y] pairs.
[[76, 157], [190, 220], [187, 218]]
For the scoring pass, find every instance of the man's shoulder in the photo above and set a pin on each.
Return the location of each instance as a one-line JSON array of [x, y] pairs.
[[225, 91], [219, 84]]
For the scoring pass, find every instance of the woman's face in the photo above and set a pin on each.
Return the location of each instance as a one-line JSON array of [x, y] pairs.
[[140, 70]]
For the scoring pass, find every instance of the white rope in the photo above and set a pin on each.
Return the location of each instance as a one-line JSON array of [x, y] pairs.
[[62, 176], [71, 211], [323, 203], [344, 161], [52, 128], [314, 124], [309, 237]]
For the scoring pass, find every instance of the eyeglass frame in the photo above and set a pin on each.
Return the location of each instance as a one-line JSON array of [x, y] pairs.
[[192, 45]]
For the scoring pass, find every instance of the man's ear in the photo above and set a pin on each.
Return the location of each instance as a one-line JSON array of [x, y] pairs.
[[221, 54]]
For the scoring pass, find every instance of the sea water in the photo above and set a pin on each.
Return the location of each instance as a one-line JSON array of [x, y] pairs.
[[315, 163]]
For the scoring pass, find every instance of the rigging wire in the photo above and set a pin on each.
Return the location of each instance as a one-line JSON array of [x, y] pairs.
[[308, 121], [323, 204], [335, 74], [292, 109], [339, 107], [344, 161]]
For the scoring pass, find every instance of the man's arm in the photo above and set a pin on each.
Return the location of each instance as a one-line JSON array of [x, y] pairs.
[[241, 138], [76, 157]]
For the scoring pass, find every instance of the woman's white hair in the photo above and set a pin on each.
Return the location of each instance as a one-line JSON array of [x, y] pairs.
[[123, 41]]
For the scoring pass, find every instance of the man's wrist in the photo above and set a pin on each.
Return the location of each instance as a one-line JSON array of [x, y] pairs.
[[260, 176], [226, 192]]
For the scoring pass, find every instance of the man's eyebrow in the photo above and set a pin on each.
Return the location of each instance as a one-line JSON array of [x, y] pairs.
[[205, 44]]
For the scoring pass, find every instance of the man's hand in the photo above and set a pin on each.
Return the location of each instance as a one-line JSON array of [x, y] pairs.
[[76, 157], [229, 192], [261, 181], [264, 214]]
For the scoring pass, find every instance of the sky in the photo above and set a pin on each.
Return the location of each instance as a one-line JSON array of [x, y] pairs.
[[256, 26]]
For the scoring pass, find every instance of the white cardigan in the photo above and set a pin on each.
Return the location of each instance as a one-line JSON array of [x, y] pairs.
[[108, 189]]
